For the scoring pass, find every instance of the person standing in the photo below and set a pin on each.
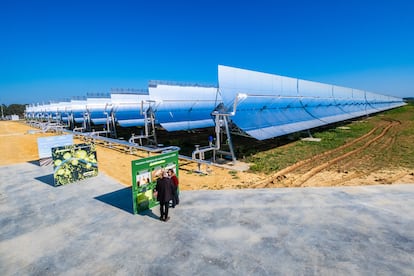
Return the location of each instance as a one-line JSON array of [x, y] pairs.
[[174, 178], [165, 193]]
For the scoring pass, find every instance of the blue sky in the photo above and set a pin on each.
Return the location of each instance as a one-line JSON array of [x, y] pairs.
[[53, 50]]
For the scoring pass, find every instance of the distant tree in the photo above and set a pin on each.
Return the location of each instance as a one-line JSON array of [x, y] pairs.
[[3, 110], [409, 100], [14, 109]]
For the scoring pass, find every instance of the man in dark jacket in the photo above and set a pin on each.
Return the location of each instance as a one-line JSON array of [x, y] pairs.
[[165, 193]]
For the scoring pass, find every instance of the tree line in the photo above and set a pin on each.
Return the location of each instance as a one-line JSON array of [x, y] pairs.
[[13, 109]]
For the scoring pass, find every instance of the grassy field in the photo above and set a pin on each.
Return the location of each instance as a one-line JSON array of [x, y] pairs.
[[400, 154]]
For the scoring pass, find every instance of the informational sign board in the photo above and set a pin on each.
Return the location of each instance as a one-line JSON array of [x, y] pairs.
[[73, 163], [45, 145], [145, 173]]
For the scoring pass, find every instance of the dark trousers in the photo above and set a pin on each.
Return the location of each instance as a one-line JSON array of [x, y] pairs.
[[176, 199], [164, 209]]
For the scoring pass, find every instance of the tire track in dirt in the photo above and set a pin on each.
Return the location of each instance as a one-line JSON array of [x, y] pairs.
[[301, 172], [348, 165], [312, 172], [281, 174]]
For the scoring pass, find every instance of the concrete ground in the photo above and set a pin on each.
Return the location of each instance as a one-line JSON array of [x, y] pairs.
[[87, 228]]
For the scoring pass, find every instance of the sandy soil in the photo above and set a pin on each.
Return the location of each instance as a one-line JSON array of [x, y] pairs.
[[18, 143]]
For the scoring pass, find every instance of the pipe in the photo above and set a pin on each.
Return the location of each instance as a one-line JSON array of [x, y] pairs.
[[201, 151]]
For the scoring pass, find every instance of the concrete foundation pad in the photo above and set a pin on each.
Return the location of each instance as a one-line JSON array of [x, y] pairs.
[[88, 228]]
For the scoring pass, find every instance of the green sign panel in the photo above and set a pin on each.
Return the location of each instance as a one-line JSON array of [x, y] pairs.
[[74, 162], [145, 172]]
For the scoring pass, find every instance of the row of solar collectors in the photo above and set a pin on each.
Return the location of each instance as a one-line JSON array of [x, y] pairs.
[[176, 106], [260, 104], [270, 105]]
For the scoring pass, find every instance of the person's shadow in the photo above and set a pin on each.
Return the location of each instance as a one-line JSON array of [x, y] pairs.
[[148, 213]]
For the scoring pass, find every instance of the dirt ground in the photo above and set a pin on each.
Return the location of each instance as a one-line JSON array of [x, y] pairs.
[[18, 143]]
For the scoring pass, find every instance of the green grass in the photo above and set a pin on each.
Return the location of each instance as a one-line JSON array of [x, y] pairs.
[[282, 157], [403, 149], [234, 174]]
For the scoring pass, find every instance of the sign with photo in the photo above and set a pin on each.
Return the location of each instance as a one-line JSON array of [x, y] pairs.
[[145, 173], [73, 163]]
